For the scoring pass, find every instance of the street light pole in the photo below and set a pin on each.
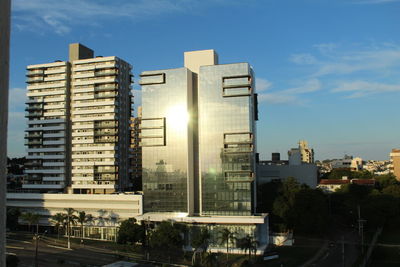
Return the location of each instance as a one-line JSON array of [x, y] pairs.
[[37, 237]]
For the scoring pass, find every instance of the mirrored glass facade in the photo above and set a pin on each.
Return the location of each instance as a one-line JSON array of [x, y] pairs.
[[226, 106], [166, 140]]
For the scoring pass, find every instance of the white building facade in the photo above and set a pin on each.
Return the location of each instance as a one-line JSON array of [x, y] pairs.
[[48, 121], [100, 116], [107, 211]]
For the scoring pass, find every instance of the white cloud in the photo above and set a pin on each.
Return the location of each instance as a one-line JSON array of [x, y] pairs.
[[262, 84], [308, 87], [291, 96], [382, 58], [303, 59], [60, 16], [326, 47], [359, 89]]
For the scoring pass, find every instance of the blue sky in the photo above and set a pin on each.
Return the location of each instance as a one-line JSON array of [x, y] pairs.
[[327, 71]]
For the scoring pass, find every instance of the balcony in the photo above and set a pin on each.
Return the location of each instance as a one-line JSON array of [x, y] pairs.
[[106, 73], [34, 107], [34, 72], [33, 142], [105, 133], [33, 114], [33, 164], [35, 79], [33, 135], [101, 125], [104, 95], [105, 88]]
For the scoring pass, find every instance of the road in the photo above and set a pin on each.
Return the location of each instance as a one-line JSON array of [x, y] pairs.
[[333, 257], [50, 254]]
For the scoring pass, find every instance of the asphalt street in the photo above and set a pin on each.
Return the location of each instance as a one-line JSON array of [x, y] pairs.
[[51, 254]]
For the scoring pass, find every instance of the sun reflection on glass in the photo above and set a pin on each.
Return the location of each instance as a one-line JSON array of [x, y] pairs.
[[178, 117]]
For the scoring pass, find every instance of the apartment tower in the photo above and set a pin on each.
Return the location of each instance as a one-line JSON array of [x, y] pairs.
[[78, 124], [136, 150]]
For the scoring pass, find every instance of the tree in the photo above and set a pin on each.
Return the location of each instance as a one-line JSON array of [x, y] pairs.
[[167, 236], [383, 181], [58, 220], [209, 259], [31, 219], [200, 238], [82, 219], [199, 241], [225, 236], [70, 218], [393, 190], [283, 204], [12, 261], [12, 217], [311, 211], [130, 232], [266, 194], [247, 244]]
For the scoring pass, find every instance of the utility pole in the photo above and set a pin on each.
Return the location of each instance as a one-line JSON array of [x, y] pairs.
[[361, 229]]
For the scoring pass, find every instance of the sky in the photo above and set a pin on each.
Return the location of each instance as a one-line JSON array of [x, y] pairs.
[[326, 71]]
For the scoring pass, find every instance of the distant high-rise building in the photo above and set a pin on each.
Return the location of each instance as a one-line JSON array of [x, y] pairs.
[[136, 149], [302, 154], [395, 163], [4, 74], [78, 124]]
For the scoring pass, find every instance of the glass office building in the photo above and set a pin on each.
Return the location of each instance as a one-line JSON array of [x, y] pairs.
[[227, 112], [166, 139], [198, 148]]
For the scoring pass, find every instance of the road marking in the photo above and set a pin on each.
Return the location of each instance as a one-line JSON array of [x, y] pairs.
[[22, 241], [15, 247], [59, 247]]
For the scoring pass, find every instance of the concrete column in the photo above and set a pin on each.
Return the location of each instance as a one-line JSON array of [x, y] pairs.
[[4, 74]]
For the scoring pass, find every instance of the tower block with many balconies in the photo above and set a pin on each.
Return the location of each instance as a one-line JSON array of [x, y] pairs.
[[78, 124]]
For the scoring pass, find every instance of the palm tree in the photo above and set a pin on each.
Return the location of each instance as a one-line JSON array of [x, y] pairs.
[[82, 219], [70, 218], [209, 259], [247, 243], [58, 220], [224, 238], [31, 218]]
